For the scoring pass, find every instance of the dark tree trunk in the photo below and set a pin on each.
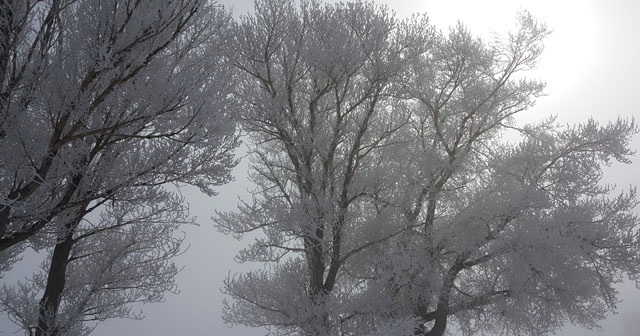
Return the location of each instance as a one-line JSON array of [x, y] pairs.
[[50, 302], [440, 325], [48, 324]]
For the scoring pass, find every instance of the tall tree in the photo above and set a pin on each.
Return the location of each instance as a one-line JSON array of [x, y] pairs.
[[428, 204], [103, 103], [319, 90], [511, 229]]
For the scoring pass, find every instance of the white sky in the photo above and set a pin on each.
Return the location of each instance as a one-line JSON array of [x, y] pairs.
[[591, 69]]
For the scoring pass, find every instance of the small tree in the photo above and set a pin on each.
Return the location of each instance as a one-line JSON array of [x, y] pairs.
[[445, 217]]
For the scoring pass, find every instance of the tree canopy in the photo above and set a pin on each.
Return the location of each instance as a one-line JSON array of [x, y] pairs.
[[397, 193], [103, 105]]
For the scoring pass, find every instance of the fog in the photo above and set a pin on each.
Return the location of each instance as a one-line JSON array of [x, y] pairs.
[[590, 66]]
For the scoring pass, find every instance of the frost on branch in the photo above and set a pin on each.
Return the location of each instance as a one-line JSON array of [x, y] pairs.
[[121, 258], [319, 85], [103, 104], [390, 200], [99, 96]]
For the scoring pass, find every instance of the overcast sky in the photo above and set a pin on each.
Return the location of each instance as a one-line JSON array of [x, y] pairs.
[[591, 68]]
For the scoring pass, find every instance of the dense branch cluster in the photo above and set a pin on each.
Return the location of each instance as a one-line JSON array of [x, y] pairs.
[[103, 103], [396, 193]]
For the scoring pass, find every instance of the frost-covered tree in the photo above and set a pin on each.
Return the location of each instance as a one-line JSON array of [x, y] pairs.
[[321, 91], [121, 257], [98, 96], [400, 211], [102, 104], [511, 233], [319, 84]]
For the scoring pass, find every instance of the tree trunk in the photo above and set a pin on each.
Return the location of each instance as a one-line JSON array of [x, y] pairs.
[[50, 302], [440, 325]]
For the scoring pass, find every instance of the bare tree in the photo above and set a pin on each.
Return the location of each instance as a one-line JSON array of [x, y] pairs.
[[101, 103], [402, 210], [319, 91]]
